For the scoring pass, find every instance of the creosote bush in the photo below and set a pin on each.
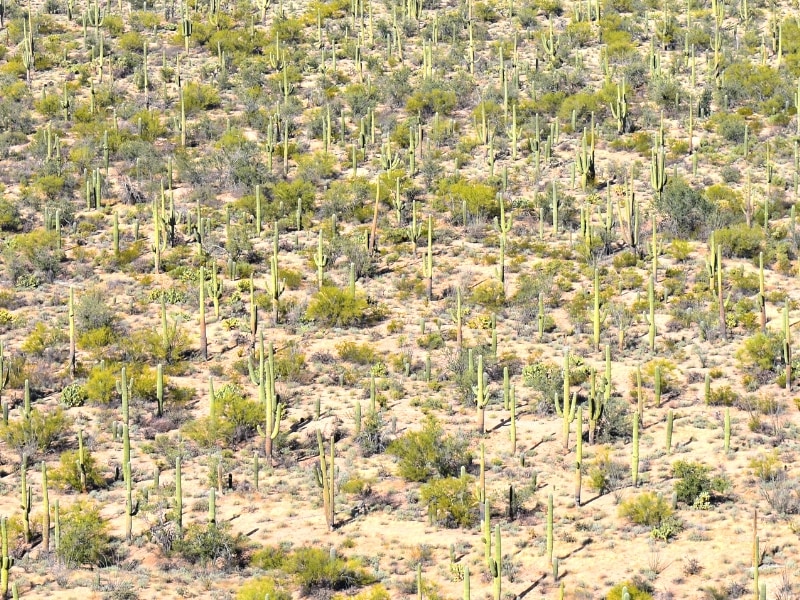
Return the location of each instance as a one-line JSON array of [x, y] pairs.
[[211, 543], [84, 535], [647, 508], [263, 587], [335, 307], [430, 452], [451, 501]]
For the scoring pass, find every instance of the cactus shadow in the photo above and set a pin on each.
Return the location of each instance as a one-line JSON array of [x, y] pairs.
[[524, 593]]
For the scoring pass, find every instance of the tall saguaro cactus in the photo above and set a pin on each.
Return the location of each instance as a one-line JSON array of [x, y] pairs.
[[264, 378], [481, 396], [6, 561], [326, 478]]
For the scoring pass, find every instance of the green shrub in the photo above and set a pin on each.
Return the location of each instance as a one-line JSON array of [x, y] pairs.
[[606, 474], [430, 452], [68, 474], [74, 395], [335, 307], [35, 253], [9, 216], [431, 341], [263, 587], [635, 592], [685, 210], [432, 98], [377, 592], [694, 481], [489, 294], [269, 558], [84, 535], [723, 396], [740, 240], [199, 97], [451, 501], [547, 378], [101, 385], [41, 338], [646, 509], [38, 434], [233, 419], [480, 197], [96, 339], [211, 543], [316, 569], [360, 354], [767, 466], [730, 126], [761, 356], [92, 312]]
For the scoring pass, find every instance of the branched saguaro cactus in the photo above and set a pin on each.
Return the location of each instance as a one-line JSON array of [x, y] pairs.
[[326, 479], [629, 216], [264, 378], [566, 408], [619, 108], [658, 170], [584, 159]]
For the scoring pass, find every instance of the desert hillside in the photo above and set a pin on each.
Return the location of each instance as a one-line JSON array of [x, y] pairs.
[[381, 300]]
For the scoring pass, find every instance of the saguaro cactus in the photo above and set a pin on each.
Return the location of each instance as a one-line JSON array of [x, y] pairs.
[[6, 562], [326, 479], [320, 260], [481, 396], [566, 408], [635, 452], [264, 378], [579, 458], [45, 510], [550, 527], [427, 262], [496, 564], [178, 496], [203, 337]]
